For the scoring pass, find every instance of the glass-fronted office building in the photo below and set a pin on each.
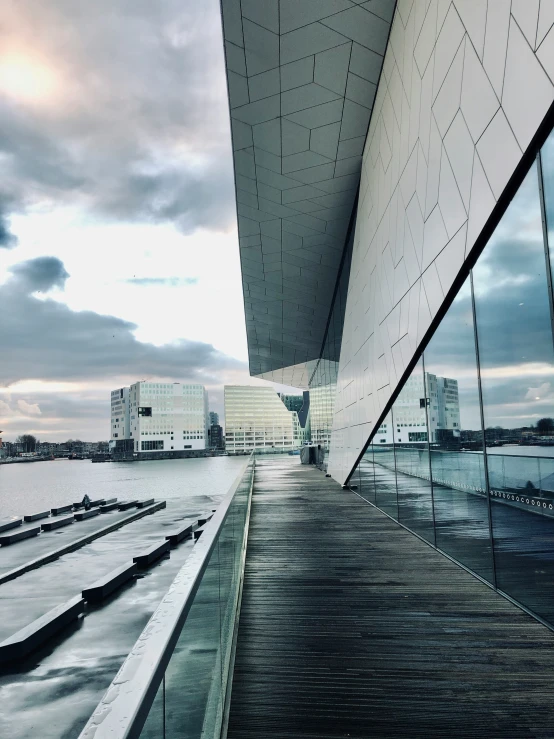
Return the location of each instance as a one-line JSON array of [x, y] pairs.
[[394, 168]]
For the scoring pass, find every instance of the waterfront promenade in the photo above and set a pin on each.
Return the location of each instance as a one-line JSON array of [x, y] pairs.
[[352, 627]]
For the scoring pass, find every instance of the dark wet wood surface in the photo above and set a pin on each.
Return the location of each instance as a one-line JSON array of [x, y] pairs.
[[353, 627]]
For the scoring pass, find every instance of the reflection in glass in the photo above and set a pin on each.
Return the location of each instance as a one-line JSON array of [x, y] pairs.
[[323, 382], [385, 474], [415, 498], [366, 470], [517, 362], [457, 466]]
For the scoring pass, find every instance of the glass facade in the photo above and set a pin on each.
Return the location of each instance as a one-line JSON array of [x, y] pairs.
[[465, 456], [256, 418], [323, 381]]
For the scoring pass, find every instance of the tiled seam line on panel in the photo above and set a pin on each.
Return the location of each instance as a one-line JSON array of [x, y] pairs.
[[467, 37]]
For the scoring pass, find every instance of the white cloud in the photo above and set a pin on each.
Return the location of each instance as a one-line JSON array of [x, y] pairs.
[[28, 409]]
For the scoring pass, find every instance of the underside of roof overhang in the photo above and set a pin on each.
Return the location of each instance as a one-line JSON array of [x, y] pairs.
[[302, 77]]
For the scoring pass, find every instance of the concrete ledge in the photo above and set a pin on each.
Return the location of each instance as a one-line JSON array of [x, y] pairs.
[[61, 509], [54, 554], [83, 515], [10, 523], [110, 582], [124, 505], [36, 516], [18, 536], [106, 507], [156, 551], [176, 536], [30, 637], [97, 502], [143, 503], [108, 501], [198, 533], [204, 519], [56, 523]]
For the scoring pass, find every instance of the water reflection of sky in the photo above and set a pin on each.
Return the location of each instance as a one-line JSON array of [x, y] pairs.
[[514, 328]]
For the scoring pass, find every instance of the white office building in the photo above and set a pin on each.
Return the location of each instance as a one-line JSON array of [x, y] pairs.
[[160, 417], [409, 416], [120, 416], [257, 418]]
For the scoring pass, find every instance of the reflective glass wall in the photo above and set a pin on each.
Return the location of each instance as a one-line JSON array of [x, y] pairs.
[[465, 457]]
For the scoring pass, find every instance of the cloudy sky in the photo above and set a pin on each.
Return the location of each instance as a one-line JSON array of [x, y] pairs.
[[118, 246], [513, 321]]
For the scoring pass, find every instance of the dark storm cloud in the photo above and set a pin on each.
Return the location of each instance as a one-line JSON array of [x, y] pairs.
[[44, 339], [136, 127], [162, 281], [41, 274], [7, 239]]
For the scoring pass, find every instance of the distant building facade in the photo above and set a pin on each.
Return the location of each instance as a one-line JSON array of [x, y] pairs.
[[159, 417], [217, 439], [257, 418], [292, 402], [411, 426], [214, 418]]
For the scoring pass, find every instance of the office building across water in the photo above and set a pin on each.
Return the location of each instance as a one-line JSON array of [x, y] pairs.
[[159, 417]]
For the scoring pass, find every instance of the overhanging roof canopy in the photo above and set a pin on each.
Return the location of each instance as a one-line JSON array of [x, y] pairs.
[[302, 76]]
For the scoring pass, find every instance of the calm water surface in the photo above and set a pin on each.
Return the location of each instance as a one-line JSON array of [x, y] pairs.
[[26, 488]]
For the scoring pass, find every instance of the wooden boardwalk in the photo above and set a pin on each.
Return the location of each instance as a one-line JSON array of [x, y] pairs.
[[353, 627]]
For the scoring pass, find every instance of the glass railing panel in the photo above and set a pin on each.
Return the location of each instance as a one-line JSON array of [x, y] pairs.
[[154, 728], [173, 684], [193, 676]]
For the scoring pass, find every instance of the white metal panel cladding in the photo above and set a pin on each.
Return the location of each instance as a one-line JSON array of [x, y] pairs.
[[465, 86], [302, 77]]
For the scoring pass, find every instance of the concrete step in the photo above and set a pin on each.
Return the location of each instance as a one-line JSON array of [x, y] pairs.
[[30, 637], [144, 503], [83, 515], [18, 536], [124, 505], [61, 509], [36, 516], [106, 507], [109, 583], [149, 556], [56, 523], [176, 536], [10, 523]]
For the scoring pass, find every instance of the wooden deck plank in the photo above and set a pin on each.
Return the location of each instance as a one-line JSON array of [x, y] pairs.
[[352, 627]]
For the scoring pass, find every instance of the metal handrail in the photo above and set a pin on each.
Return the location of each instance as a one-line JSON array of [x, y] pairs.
[[124, 708]]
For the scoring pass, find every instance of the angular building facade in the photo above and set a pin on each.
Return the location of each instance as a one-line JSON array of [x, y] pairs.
[[257, 418], [394, 169]]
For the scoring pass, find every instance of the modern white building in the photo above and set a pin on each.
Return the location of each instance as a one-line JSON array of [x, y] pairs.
[[257, 418], [412, 423], [120, 415], [160, 417]]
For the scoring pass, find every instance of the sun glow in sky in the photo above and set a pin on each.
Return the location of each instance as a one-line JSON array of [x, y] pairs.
[[27, 78], [119, 253]]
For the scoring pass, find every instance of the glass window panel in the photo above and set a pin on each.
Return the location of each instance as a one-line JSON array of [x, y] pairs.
[[462, 527], [415, 499], [517, 359], [385, 473]]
